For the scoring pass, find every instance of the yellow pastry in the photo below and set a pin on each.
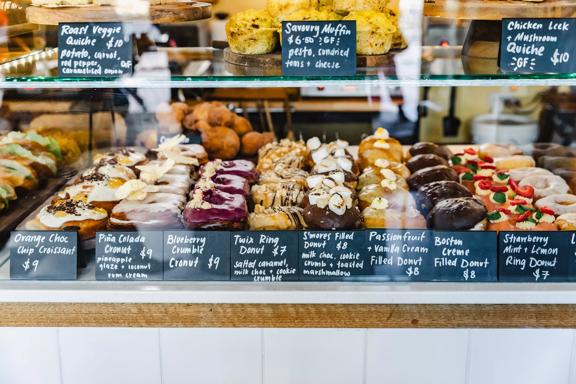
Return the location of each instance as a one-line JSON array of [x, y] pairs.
[[252, 33], [374, 32]]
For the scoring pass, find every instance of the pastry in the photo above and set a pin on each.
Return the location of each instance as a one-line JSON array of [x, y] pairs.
[[521, 173], [125, 156], [278, 195], [319, 151], [340, 164], [424, 148], [109, 171], [242, 168], [513, 162], [397, 198], [499, 150], [553, 162], [276, 219], [17, 174], [545, 185], [42, 161], [459, 214], [567, 222], [233, 184], [561, 204], [332, 209], [536, 220], [347, 6], [379, 146], [252, 32], [419, 162], [220, 116], [279, 9], [148, 210], [100, 193], [47, 143], [241, 125], [7, 194], [284, 175], [500, 220], [221, 143], [70, 215], [398, 168], [213, 209], [549, 149], [379, 215], [430, 175], [374, 32], [253, 141], [569, 176], [374, 175], [283, 154], [431, 194]]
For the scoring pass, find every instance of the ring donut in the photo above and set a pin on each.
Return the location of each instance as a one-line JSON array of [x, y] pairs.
[[560, 204], [546, 185], [521, 173], [567, 222], [549, 149]]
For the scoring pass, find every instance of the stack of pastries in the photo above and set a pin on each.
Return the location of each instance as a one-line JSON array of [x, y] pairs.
[[278, 196], [26, 160], [256, 32], [126, 190]]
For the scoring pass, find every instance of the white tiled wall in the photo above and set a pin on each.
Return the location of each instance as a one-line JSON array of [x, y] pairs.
[[286, 356]]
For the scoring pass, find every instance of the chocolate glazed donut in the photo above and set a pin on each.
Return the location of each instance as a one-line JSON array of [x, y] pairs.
[[323, 218], [426, 148], [430, 175], [460, 214], [419, 162], [431, 194]]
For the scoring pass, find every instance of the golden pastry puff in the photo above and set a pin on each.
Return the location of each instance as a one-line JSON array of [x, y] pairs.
[[375, 32], [379, 146]]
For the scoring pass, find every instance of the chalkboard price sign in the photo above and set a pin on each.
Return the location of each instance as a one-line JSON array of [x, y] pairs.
[[335, 255], [464, 256], [37, 255], [535, 256], [129, 256], [94, 50], [538, 46], [265, 256], [196, 256], [400, 255], [319, 48]]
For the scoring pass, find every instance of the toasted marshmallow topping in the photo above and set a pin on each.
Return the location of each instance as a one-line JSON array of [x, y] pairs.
[[380, 203], [382, 134]]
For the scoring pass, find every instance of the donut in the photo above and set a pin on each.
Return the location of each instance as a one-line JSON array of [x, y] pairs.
[[498, 150], [253, 141], [241, 125], [516, 161], [459, 214], [425, 148], [554, 162], [430, 175], [397, 198], [374, 175], [221, 143], [332, 209], [545, 185], [560, 204], [419, 162], [278, 195], [214, 209], [567, 222], [377, 215], [549, 149], [569, 176], [429, 195], [276, 219], [521, 173], [379, 146]]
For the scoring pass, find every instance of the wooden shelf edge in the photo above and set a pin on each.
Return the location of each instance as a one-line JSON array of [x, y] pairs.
[[286, 316]]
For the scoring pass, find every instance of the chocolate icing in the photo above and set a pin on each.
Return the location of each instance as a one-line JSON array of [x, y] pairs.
[[430, 175], [426, 148], [419, 162], [431, 194], [458, 214], [324, 218]]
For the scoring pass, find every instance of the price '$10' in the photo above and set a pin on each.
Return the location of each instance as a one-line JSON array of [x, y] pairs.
[[559, 57]]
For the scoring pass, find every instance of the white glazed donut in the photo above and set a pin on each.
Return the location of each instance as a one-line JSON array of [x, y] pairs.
[[521, 173], [546, 185], [560, 204]]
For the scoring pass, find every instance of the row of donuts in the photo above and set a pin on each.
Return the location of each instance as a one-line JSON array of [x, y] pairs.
[[125, 190], [26, 161]]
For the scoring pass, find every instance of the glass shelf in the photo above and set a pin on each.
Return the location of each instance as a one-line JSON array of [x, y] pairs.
[[433, 66]]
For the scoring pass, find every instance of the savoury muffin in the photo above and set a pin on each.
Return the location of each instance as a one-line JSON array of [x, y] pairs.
[[346, 6], [252, 33], [375, 32], [280, 9]]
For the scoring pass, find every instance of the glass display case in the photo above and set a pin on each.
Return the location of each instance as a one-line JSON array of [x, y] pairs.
[[154, 156]]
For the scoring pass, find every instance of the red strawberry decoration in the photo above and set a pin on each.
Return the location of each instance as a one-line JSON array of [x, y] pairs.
[[499, 188], [470, 151], [480, 177], [525, 216], [547, 211], [485, 184]]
